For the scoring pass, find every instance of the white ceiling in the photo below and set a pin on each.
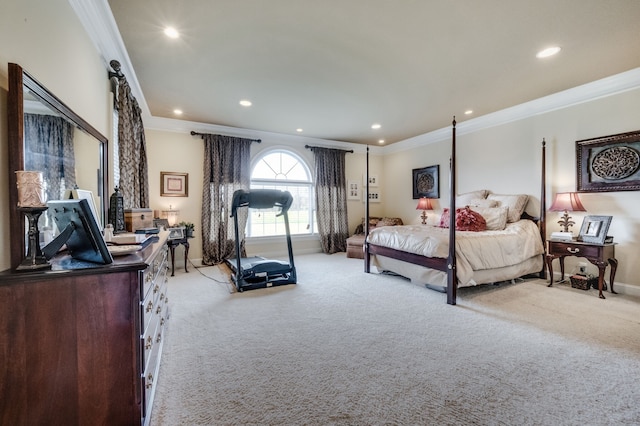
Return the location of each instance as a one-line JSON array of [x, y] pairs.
[[335, 67]]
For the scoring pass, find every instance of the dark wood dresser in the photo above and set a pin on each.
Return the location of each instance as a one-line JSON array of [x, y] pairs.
[[83, 346]]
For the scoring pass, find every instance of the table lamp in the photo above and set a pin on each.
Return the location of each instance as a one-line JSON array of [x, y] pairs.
[[424, 204], [566, 202]]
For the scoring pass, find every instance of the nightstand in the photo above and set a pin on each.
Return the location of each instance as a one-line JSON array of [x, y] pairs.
[[599, 255]]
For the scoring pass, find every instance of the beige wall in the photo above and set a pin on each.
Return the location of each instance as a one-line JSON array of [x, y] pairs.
[[48, 41], [506, 159]]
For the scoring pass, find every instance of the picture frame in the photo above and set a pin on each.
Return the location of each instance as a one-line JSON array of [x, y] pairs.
[[353, 190], [83, 194], [594, 229], [161, 223], [373, 180], [609, 163], [173, 184], [176, 233], [426, 182], [374, 196]]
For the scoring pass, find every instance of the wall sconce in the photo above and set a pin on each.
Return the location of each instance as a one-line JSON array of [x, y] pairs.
[[424, 204], [171, 215], [567, 202]]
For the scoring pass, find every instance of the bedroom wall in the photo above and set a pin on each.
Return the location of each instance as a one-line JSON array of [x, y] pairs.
[[178, 151], [506, 159], [48, 41]]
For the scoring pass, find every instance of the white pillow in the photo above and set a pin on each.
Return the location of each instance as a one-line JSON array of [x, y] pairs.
[[464, 199], [480, 202], [496, 217], [515, 203]]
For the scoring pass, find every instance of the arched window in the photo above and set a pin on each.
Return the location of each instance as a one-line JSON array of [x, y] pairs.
[[283, 170]]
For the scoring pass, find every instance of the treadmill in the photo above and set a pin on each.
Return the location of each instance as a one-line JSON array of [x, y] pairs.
[[249, 273]]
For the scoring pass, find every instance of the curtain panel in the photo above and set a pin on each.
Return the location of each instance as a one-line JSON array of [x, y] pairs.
[[132, 149], [331, 199], [49, 140], [227, 163]]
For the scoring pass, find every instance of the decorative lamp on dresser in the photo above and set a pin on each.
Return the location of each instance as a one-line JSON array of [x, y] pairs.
[[83, 346]]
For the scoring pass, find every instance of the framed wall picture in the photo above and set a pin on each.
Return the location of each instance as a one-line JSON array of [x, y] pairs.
[[426, 182], [609, 163], [373, 180], [594, 229], [374, 195], [353, 190], [174, 184]]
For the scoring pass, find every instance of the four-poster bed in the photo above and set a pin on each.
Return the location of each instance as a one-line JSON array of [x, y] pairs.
[[446, 258]]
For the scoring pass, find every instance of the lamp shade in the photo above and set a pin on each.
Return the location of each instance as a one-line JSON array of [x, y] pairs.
[[567, 201], [424, 204]]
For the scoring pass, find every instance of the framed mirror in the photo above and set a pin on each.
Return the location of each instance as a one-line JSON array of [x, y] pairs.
[[46, 135]]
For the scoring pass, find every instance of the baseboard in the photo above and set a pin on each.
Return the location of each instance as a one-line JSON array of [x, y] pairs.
[[620, 288]]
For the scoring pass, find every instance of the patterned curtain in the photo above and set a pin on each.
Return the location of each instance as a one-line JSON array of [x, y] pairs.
[[49, 140], [331, 199], [227, 164], [132, 150]]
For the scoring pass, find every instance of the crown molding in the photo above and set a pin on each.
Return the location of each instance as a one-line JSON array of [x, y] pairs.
[[608, 86]]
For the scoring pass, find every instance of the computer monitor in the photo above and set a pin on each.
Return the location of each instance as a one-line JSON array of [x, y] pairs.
[[79, 231]]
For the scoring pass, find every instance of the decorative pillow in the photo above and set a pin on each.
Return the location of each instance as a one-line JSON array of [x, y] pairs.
[[466, 198], [515, 203], [389, 221], [481, 202], [466, 220], [496, 217]]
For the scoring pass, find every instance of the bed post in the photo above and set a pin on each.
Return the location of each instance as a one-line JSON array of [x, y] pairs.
[[452, 278], [367, 256], [543, 211]]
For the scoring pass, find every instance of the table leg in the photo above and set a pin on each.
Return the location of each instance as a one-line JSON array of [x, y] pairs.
[[550, 268], [601, 268], [172, 250], [612, 274], [186, 254]]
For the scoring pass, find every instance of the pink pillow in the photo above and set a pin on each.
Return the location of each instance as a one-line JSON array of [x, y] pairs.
[[466, 220]]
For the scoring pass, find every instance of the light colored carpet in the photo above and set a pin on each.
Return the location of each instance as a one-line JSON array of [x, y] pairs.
[[347, 348]]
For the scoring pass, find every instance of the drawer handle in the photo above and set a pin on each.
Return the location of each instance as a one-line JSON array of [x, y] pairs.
[[156, 288], [573, 250], [149, 381], [162, 321], [159, 338], [149, 343], [159, 309], [149, 306]]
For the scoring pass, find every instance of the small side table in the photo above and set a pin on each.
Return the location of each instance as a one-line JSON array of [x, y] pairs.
[[173, 243], [599, 255]]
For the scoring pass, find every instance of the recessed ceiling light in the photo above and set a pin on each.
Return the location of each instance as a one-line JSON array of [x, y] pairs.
[[381, 141], [549, 51], [245, 103], [468, 112], [171, 32], [177, 111], [299, 130], [375, 126]]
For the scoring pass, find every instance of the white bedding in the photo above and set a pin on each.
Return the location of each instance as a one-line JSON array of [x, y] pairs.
[[480, 256]]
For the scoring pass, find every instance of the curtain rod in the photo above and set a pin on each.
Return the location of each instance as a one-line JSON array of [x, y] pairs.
[[312, 147], [193, 133]]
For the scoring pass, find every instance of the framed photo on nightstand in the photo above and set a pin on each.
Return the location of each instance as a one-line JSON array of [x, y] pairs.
[[594, 229]]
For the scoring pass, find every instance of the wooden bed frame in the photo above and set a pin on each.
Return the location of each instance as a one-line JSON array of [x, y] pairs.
[[448, 264]]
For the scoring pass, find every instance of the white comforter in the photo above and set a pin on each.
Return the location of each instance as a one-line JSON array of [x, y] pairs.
[[475, 251]]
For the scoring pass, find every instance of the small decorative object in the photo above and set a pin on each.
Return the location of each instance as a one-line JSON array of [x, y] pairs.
[[609, 163], [567, 202], [35, 259], [424, 204], [188, 228], [116, 212], [174, 184], [31, 189], [583, 282], [594, 229], [426, 182]]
